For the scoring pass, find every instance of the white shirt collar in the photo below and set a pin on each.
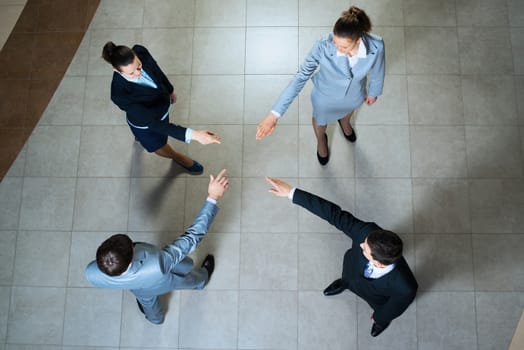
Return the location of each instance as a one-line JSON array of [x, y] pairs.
[[362, 53]]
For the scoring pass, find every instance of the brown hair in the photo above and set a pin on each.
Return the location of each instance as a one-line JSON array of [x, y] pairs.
[[352, 24], [115, 254], [385, 246], [117, 55]]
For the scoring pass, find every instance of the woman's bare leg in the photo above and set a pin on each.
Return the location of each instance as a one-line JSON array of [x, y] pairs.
[[320, 131], [167, 152]]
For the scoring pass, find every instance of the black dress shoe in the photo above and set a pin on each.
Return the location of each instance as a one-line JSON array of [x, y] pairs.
[[376, 329], [334, 288], [209, 265], [351, 138], [324, 160]]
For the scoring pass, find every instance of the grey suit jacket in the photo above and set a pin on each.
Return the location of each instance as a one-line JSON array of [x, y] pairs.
[[334, 77], [153, 270]]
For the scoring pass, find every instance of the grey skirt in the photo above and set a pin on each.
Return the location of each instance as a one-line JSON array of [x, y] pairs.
[[327, 109]]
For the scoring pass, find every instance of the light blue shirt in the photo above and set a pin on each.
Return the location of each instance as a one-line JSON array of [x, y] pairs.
[[377, 272], [144, 79]]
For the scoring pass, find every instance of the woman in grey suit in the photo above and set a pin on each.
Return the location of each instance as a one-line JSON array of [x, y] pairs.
[[344, 59]]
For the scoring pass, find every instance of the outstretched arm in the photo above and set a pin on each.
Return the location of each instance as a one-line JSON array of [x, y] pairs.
[[332, 213], [280, 188], [178, 132], [205, 137], [266, 126], [308, 67], [187, 243]]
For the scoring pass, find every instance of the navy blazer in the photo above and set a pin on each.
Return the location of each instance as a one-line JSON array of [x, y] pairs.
[[144, 105], [389, 295]]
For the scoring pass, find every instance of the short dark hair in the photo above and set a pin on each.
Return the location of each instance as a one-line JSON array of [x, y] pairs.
[[385, 246], [117, 55], [352, 24], [115, 254]]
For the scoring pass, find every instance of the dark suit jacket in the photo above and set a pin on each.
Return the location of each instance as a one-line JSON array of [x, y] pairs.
[[389, 295], [145, 106]]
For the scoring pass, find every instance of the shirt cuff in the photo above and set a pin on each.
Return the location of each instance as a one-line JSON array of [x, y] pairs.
[[278, 115], [211, 200], [189, 133], [291, 193]]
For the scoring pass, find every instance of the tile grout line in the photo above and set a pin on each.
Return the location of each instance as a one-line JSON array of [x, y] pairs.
[[410, 144], [239, 291], [298, 174], [467, 178], [179, 299]]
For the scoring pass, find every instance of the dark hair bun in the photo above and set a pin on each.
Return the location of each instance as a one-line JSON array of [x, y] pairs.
[[352, 24], [117, 55], [353, 11], [108, 51]]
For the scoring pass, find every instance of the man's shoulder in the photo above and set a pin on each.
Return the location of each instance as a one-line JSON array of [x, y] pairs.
[[143, 250], [360, 232], [404, 280], [94, 275]]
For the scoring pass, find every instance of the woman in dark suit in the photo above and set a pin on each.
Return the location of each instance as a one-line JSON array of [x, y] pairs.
[[142, 90]]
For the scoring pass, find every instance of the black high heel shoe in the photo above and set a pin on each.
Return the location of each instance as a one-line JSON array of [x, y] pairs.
[[324, 160], [351, 138]]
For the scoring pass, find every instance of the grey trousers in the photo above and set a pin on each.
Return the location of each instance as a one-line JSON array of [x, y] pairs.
[[184, 278]]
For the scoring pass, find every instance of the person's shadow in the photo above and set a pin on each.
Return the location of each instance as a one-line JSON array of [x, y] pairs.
[[155, 198]]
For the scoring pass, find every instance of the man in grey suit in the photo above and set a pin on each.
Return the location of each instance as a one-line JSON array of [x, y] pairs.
[[148, 271]]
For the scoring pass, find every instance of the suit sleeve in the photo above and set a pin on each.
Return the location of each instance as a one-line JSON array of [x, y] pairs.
[[185, 244], [394, 307], [332, 213], [176, 131], [296, 85], [377, 72]]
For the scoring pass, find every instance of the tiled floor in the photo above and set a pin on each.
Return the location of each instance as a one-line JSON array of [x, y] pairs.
[[439, 159], [10, 11], [34, 59]]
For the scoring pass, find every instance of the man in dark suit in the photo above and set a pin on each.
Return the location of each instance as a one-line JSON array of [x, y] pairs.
[[374, 268]]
